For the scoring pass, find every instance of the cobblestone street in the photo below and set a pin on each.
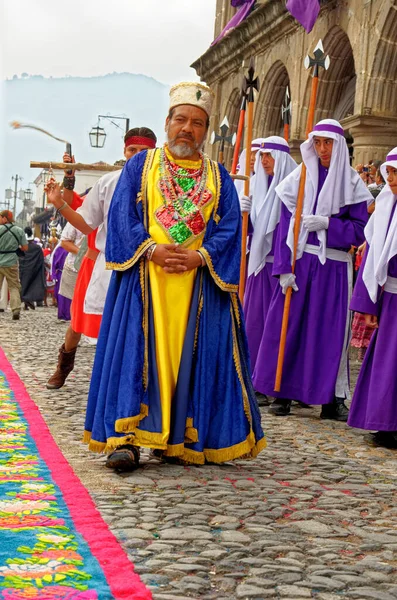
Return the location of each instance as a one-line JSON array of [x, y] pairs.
[[314, 516]]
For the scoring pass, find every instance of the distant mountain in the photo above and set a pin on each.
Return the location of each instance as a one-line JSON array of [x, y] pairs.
[[68, 107]]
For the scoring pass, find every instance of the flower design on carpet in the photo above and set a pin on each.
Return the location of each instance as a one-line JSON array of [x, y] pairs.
[[42, 556]]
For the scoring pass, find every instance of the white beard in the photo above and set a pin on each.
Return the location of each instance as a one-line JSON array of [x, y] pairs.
[[181, 150]]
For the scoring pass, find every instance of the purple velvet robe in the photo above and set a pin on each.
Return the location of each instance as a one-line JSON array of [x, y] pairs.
[[319, 310], [374, 404], [258, 294], [64, 304]]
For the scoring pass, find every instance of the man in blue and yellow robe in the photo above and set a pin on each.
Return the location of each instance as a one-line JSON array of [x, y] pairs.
[[171, 371]]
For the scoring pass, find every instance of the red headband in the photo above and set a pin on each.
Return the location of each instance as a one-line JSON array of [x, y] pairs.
[[136, 140]]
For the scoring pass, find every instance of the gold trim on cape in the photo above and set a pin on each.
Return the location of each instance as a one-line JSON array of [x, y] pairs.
[[225, 287], [218, 185], [112, 266], [237, 364], [141, 197], [129, 424], [247, 449]]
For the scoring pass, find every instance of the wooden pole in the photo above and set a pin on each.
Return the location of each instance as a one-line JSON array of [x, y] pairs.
[[239, 177], [297, 224], [286, 132], [239, 137], [251, 83], [76, 166], [243, 265]]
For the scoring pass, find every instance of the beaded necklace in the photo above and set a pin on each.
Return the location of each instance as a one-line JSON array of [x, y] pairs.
[[184, 193]]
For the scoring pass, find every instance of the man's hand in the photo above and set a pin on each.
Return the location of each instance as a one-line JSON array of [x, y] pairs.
[[315, 222], [68, 159], [54, 194], [361, 249], [288, 280], [245, 204], [371, 321], [175, 259]]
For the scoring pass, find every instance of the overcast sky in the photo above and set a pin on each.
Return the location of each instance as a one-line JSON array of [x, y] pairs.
[[159, 38]]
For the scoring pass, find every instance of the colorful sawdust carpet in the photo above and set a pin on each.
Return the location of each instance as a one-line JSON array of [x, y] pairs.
[[54, 544]]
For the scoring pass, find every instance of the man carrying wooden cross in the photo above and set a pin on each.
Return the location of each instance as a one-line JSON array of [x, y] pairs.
[[93, 279], [333, 220]]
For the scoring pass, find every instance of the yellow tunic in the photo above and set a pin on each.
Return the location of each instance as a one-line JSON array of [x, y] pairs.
[[171, 299]]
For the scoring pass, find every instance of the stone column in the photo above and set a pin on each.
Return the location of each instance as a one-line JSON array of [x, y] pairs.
[[373, 136], [295, 145]]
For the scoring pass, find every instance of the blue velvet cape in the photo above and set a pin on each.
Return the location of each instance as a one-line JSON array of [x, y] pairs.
[[214, 413]]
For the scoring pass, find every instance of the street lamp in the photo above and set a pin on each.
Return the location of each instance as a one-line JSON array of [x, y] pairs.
[[13, 194], [97, 134], [28, 195], [8, 195], [97, 137]]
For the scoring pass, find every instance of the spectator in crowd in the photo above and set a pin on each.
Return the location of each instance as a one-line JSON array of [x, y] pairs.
[[31, 273], [13, 243]]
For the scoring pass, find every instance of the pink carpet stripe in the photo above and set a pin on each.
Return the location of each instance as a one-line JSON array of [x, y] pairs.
[[118, 570]]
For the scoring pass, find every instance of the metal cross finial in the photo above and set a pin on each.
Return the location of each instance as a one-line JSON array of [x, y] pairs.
[[286, 108], [251, 82], [223, 138], [319, 60]]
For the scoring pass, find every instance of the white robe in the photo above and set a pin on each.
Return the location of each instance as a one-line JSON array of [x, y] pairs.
[[95, 210]]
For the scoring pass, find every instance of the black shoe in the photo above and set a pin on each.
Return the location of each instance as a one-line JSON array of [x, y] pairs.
[[300, 404], [336, 411], [383, 439], [341, 411], [281, 407], [2, 310], [262, 399], [40, 304], [328, 411], [15, 315]]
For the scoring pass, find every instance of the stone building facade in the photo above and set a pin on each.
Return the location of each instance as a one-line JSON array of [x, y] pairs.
[[359, 89]]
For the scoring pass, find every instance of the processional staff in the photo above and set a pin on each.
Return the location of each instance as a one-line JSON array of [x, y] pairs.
[[252, 83], [223, 138], [319, 60], [240, 127]]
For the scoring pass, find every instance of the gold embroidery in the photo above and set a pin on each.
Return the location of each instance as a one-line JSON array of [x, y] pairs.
[[248, 448], [112, 266], [174, 450], [199, 309], [225, 287], [236, 308], [143, 276], [236, 358], [191, 433], [218, 185], [144, 183], [86, 437], [129, 424], [141, 197]]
